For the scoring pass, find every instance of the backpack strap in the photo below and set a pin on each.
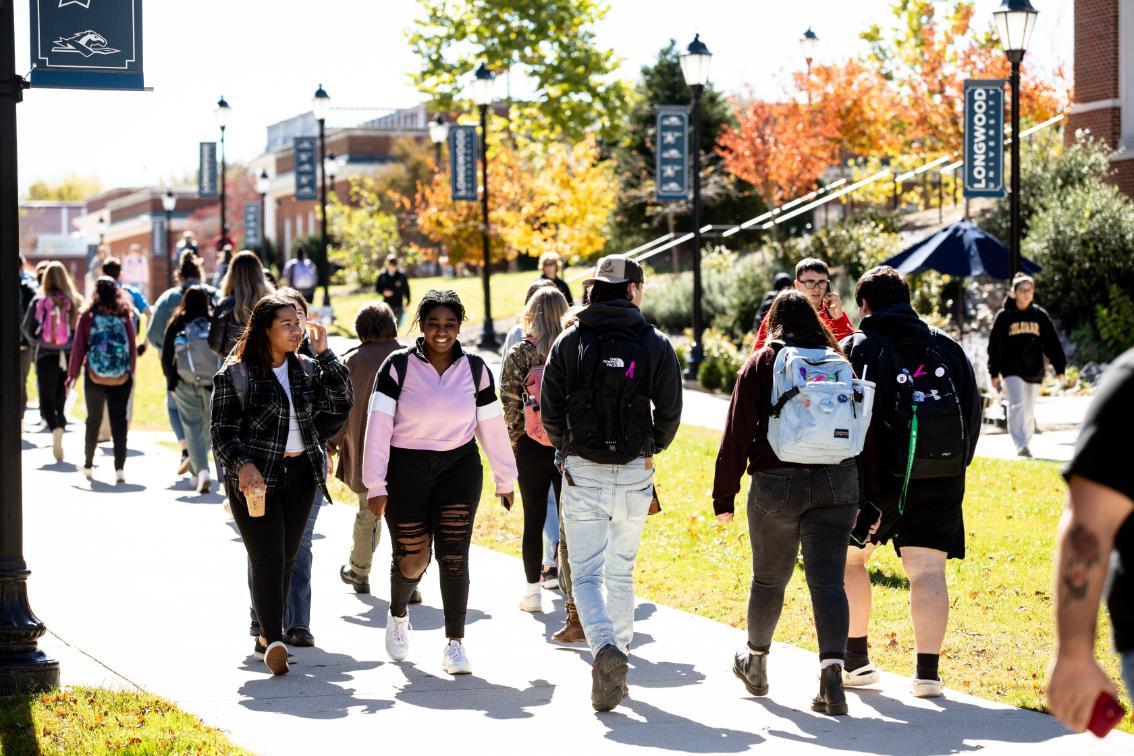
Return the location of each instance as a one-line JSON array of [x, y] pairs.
[[785, 397], [399, 361], [476, 367]]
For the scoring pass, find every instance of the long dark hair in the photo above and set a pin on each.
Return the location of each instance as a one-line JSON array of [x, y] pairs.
[[792, 320], [254, 348], [109, 299], [195, 303]]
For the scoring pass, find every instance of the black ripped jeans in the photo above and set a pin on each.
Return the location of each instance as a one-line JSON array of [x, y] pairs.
[[433, 496]]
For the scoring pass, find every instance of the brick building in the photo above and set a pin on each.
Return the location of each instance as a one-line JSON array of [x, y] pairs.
[[1104, 80], [48, 232]]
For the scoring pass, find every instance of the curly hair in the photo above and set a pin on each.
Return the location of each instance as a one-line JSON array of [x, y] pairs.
[[435, 298]]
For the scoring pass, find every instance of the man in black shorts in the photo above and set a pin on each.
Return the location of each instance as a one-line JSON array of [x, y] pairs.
[[926, 390]]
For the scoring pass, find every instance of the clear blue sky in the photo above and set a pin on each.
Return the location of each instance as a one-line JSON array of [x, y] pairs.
[[267, 58]]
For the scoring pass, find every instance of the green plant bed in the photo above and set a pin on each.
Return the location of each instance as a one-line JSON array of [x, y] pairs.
[[1001, 629], [92, 720]]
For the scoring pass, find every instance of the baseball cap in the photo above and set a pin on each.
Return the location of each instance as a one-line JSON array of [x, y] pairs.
[[615, 269]]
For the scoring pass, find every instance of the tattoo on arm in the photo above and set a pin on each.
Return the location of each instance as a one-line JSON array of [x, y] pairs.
[[1083, 554]]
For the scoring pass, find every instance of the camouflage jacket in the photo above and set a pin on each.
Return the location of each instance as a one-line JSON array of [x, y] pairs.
[[519, 361]]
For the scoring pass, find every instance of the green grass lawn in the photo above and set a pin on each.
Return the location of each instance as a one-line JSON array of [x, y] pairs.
[[1000, 627], [90, 720]]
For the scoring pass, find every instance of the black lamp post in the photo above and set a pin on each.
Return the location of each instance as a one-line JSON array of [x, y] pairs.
[[482, 96], [808, 44], [168, 203], [695, 68], [321, 107], [1015, 20], [263, 184], [438, 133], [223, 113], [101, 230]]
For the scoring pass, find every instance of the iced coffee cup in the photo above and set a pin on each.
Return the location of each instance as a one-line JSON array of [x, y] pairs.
[[255, 500]]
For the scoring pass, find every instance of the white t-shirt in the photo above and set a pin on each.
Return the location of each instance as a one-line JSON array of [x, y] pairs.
[[294, 436]]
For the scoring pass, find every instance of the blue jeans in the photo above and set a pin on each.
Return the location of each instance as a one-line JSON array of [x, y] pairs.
[[297, 612], [550, 531], [604, 511], [174, 416], [1128, 671]]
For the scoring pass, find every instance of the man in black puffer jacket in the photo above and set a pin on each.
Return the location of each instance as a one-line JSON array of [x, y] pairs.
[[1021, 335], [923, 434]]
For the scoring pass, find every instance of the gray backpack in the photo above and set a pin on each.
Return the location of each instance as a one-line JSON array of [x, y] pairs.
[[196, 362]]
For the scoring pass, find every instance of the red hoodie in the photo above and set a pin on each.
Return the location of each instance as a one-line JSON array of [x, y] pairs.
[[841, 328]]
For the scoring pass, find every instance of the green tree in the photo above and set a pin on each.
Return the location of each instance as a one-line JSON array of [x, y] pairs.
[[638, 217], [551, 42], [74, 188], [362, 232]]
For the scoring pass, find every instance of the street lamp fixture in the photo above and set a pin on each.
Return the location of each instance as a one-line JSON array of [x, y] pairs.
[[331, 166], [263, 182], [224, 114], [101, 229], [482, 91], [168, 203], [695, 68], [1015, 20], [263, 186], [809, 45], [321, 108], [438, 133]]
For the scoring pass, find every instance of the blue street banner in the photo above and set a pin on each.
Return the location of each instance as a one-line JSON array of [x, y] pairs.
[[984, 138], [671, 176], [86, 44], [305, 184], [159, 238], [207, 170], [462, 162], [252, 224]]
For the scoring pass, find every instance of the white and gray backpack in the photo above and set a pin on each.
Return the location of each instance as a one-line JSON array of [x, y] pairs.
[[819, 410]]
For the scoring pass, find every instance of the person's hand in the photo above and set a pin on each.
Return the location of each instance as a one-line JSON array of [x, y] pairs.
[[330, 462], [725, 517], [996, 383], [1073, 685], [1060, 378], [377, 505], [388, 293], [249, 478], [141, 349], [318, 334], [875, 526], [834, 305], [67, 385], [507, 499]]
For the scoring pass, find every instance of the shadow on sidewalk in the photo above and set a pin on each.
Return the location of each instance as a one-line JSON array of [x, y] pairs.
[[99, 487], [950, 729], [422, 616], [473, 694], [60, 467], [671, 732], [310, 689]]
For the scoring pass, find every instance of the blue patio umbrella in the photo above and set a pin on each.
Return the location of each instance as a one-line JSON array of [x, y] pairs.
[[961, 249]]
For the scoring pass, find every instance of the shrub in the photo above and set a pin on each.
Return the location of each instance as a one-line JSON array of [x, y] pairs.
[[709, 374], [1116, 322]]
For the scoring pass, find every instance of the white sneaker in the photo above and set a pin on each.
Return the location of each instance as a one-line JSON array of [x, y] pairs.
[[120, 476], [204, 481], [867, 674], [532, 601], [456, 661], [88, 473], [57, 444], [926, 688], [398, 634]]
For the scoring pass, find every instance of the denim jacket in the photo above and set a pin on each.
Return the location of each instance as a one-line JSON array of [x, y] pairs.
[[255, 430]]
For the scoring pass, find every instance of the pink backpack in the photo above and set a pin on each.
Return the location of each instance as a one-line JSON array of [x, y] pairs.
[[54, 316], [533, 423]]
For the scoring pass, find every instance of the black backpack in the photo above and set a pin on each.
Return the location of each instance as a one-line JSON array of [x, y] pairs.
[[927, 417], [609, 414]]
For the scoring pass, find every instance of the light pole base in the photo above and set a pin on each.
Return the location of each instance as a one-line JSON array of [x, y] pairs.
[[488, 336], [693, 362], [23, 668], [30, 672]]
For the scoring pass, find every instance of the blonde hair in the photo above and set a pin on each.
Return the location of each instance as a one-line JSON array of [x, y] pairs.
[[543, 318], [547, 257], [246, 282], [56, 280]]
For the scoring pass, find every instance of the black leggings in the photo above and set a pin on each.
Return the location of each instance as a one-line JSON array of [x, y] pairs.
[[433, 496], [50, 381], [114, 400], [538, 475], [273, 540]]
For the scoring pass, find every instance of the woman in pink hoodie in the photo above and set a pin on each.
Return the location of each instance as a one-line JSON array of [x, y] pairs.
[[421, 466]]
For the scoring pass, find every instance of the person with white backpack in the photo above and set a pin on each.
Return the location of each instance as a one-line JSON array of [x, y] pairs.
[[797, 423], [521, 378], [105, 346], [189, 365]]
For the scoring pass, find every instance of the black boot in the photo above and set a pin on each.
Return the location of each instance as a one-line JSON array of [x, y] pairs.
[[751, 668], [832, 699]]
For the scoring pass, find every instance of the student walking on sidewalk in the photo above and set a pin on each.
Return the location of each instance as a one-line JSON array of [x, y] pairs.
[[1022, 335], [611, 400], [790, 503], [265, 402], [377, 328], [521, 376], [49, 326], [104, 344], [422, 468], [189, 366]]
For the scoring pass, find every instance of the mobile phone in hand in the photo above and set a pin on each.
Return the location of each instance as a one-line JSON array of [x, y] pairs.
[[1106, 714], [867, 516]]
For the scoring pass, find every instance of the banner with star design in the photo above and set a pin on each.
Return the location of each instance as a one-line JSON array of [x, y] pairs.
[[86, 44]]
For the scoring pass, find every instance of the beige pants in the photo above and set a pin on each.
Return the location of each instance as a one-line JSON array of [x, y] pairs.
[[367, 534]]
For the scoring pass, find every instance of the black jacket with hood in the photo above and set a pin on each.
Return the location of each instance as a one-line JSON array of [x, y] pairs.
[[1019, 341], [664, 380], [898, 326]]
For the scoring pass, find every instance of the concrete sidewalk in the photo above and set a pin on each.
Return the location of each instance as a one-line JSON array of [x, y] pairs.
[[143, 585]]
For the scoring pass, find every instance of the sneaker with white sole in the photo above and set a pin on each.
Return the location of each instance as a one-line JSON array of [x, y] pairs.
[[398, 634], [204, 481], [57, 444], [532, 600], [926, 688], [88, 473], [183, 463], [456, 661], [120, 476], [275, 658], [867, 674]]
